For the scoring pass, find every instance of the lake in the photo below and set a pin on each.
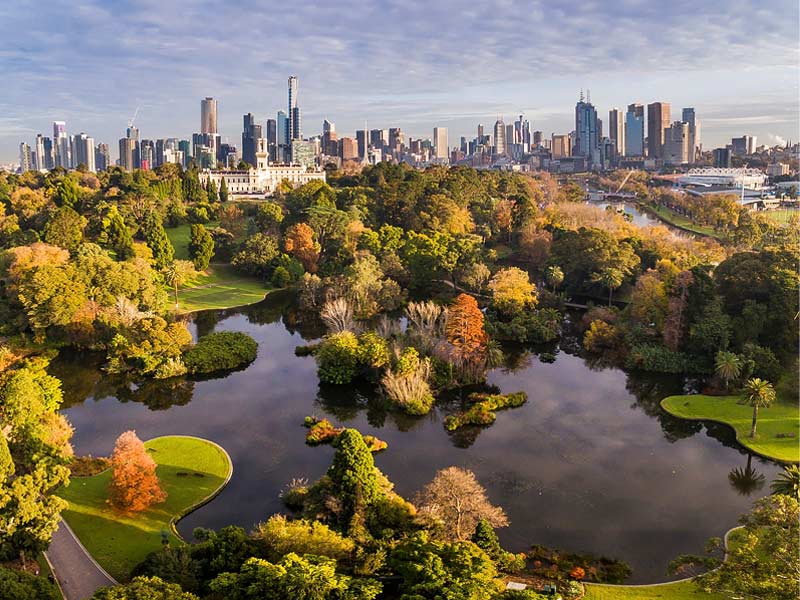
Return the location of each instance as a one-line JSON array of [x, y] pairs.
[[590, 464]]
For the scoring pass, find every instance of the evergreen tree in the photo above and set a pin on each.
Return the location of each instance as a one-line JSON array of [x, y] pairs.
[[116, 235], [201, 247], [65, 229], [158, 241], [353, 474], [192, 191], [223, 191], [211, 189]]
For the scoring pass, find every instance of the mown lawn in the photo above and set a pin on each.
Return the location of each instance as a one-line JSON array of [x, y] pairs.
[[781, 215], [684, 590], [179, 237], [220, 286], [120, 541], [780, 418], [684, 223]]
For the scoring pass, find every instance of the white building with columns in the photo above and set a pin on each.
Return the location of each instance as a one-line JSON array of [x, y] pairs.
[[262, 180]]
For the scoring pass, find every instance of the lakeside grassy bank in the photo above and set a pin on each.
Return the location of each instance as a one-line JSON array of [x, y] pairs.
[[191, 470]]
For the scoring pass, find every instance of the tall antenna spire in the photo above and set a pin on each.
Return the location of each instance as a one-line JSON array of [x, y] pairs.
[[581, 94], [589, 96]]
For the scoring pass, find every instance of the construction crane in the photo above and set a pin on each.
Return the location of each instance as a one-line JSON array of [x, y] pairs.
[[133, 118]]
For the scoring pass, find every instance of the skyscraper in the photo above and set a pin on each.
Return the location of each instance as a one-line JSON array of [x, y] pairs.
[[25, 158], [587, 134], [499, 137], [616, 130], [695, 146], [83, 151], [272, 140], [676, 144], [295, 130], [251, 133], [63, 155], [658, 119], [282, 126], [329, 138], [41, 162], [363, 143], [102, 157], [208, 116], [440, 150], [634, 130], [561, 146]]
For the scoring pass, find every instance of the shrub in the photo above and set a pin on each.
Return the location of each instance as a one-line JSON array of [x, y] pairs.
[[600, 336], [373, 350], [337, 358], [20, 585], [482, 411], [281, 277], [407, 385], [220, 351], [321, 431], [282, 536], [651, 357]]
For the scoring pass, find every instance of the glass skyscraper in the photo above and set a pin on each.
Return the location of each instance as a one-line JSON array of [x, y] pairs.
[[634, 130]]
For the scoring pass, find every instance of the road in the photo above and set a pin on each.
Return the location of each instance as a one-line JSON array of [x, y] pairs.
[[78, 575]]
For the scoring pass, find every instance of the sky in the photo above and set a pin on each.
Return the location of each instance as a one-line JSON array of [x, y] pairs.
[[412, 64]]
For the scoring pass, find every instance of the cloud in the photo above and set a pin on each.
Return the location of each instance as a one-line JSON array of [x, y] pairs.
[[411, 63]]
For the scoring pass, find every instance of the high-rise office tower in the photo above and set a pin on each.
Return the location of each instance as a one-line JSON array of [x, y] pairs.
[[272, 140], [282, 124], [587, 133], [561, 146], [102, 157], [185, 147], [295, 129], [695, 147], [658, 119], [348, 148], [63, 154], [538, 138], [83, 151], [480, 132], [41, 157], [634, 130], [147, 154], [25, 157], [127, 149], [744, 145], [499, 136], [396, 140], [378, 138], [208, 116], [616, 130], [722, 158], [676, 144], [363, 144], [329, 138], [251, 133], [440, 149]]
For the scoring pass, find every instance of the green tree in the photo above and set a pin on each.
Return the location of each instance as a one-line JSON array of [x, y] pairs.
[[213, 194], [728, 365], [116, 236], [20, 585], [157, 240], [269, 216], [65, 229], [177, 273], [201, 247], [257, 255], [787, 482], [353, 475], [611, 278], [67, 193], [144, 588], [512, 291], [758, 394], [554, 276], [223, 191]]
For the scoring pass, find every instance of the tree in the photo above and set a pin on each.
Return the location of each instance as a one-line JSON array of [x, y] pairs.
[[757, 393], [116, 236], [67, 193], [458, 502], [554, 276], [512, 291], [201, 247], [177, 273], [299, 242], [257, 255], [21, 585], [65, 229], [223, 191], [157, 240], [213, 195], [353, 475], [465, 327], [144, 588], [269, 216], [486, 539], [611, 278], [747, 480], [765, 561], [134, 484], [728, 365], [787, 482]]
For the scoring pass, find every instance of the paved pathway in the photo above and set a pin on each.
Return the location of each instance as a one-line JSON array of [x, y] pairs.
[[77, 573]]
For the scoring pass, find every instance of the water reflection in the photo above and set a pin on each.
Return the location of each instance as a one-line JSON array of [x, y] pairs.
[[591, 463]]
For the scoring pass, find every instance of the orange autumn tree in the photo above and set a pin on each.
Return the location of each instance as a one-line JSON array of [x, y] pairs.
[[134, 483], [465, 329], [299, 242]]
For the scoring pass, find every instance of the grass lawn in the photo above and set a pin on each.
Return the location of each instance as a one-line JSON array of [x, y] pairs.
[[120, 541], [683, 590], [219, 287], [780, 418], [680, 221], [781, 215], [179, 238]]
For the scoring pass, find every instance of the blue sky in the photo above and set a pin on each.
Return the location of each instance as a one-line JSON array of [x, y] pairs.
[[406, 63]]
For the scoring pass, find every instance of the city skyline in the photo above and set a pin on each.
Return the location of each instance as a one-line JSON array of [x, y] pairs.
[[364, 68]]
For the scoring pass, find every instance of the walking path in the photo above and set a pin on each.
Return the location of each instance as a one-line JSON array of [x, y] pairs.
[[76, 572]]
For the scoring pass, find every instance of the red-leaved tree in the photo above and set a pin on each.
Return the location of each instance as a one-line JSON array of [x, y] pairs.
[[134, 483]]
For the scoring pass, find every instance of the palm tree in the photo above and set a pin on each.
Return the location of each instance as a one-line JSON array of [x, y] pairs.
[[177, 273], [787, 482], [757, 393], [728, 365], [611, 278], [554, 276], [747, 480]]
